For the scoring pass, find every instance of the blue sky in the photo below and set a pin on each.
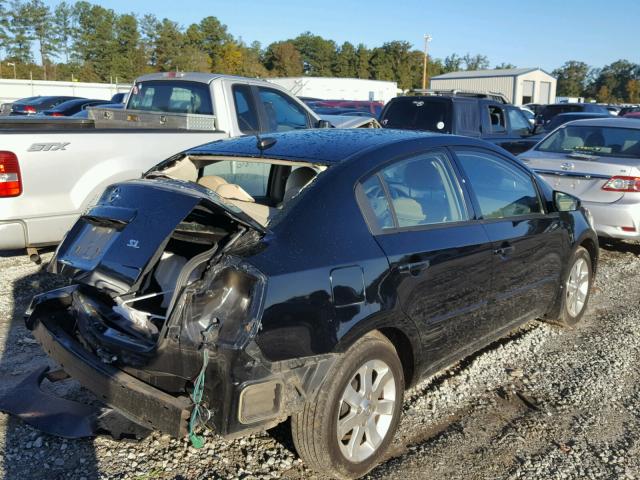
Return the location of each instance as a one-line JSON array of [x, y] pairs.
[[541, 33]]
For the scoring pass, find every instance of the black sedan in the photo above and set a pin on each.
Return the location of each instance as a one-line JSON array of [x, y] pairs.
[[34, 105], [71, 107], [313, 275]]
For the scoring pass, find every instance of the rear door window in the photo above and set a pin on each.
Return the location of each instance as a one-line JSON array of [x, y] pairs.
[[497, 120], [421, 190], [517, 121], [282, 113]]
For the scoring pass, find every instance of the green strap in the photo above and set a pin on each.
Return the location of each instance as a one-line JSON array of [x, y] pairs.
[[197, 441]]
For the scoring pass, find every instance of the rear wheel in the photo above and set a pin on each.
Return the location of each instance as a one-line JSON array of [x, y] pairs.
[[577, 288], [346, 427]]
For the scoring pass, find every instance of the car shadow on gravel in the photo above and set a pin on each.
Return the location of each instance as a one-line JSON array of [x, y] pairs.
[[620, 246], [27, 452]]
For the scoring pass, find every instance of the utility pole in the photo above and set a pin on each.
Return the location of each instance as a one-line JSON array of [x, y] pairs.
[[13, 64], [427, 39]]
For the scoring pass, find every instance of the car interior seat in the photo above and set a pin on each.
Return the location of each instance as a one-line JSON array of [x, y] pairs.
[[426, 187], [594, 139], [211, 181], [297, 180]]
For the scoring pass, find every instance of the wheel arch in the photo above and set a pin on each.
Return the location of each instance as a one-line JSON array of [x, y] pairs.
[[402, 334]]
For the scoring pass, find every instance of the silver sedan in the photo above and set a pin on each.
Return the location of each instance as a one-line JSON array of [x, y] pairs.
[[598, 161]]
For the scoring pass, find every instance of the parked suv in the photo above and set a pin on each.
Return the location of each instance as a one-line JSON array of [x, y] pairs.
[[310, 274], [473, 116], [550, 111]]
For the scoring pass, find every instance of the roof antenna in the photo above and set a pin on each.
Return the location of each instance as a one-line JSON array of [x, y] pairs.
[[261, 143]]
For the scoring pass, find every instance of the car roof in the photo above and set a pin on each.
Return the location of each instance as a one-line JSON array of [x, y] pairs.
[[583, 114], [75, 101], [324, 145], [553, 105], [607, 122]]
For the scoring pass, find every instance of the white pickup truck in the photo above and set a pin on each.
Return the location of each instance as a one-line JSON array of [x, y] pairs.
[[50, 172]]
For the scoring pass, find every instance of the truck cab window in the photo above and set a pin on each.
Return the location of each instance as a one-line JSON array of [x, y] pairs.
[[171, 97], [282, 113]]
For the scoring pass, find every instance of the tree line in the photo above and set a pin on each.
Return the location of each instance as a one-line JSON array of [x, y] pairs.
[[88, 42]]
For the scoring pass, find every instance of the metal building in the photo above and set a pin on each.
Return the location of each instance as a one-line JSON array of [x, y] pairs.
[[518, 85]]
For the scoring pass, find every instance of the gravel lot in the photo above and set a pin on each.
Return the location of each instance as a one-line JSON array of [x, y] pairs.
[[546, 403]]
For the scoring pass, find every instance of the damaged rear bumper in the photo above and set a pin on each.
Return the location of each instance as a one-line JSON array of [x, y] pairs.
[[141, 403], [244, 392]]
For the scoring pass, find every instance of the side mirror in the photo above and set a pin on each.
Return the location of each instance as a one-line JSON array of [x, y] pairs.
[[323, 124], [565, 202]]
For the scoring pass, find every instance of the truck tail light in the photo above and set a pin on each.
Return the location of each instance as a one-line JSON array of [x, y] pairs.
[[622, 184], [10, 181]]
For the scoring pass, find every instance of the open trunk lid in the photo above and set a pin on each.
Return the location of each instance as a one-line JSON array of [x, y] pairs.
[[116, 242]]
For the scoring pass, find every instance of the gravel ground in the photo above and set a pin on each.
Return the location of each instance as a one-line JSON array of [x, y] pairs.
[[545, 403]]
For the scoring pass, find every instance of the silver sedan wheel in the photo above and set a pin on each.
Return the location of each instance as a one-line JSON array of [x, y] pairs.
[[577, 287], [366, 410]]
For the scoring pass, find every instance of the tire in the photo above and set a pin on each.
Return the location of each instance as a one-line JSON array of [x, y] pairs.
[[315, 428], [572, 310]]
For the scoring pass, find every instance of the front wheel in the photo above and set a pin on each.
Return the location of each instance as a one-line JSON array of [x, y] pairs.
[[577, 288], [346, 427]]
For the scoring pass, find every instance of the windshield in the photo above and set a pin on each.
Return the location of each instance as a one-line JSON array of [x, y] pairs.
[[593, 140], [419, 114], [171, 96]]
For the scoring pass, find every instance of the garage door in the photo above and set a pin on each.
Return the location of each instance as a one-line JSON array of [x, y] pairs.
[[545, 92], [527, 91]]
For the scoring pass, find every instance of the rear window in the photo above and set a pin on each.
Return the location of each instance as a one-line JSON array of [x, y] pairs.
[[433, 114], [172, 97], [253, 177], [593, 140]]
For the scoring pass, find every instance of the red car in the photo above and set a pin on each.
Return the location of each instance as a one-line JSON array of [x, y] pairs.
[[369, 106], [633, 115]]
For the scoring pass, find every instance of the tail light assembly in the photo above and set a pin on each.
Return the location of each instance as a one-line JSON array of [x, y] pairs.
[[29, 109], [229, 299], [622, 184], [10, 180]]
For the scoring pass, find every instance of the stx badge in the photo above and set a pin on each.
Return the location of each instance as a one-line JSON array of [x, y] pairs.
[[47, 147]]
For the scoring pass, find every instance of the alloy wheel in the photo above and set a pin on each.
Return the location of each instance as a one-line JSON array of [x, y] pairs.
[[577, 287], [366, 410]]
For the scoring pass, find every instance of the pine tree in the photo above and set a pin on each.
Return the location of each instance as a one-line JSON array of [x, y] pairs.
[[42, 30], [362, 61], [64, 29]]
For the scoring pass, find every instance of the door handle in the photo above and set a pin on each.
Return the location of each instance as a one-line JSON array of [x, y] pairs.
[[504, 250], [414, 268]]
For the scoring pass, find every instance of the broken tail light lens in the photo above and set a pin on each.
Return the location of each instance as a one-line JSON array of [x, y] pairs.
[[229, 300], [622, 184], [10, 181]]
